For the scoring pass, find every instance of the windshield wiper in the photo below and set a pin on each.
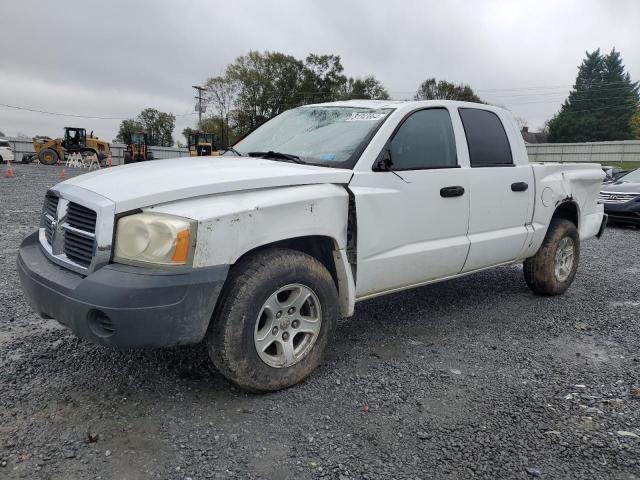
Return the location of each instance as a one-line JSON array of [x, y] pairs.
[[277, 156], [232, 150]]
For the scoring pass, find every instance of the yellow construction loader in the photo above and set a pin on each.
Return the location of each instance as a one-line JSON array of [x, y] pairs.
[[138, 149], [50, 151], [202, 144]]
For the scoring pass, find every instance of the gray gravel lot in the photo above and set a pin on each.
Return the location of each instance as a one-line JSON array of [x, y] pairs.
[[475, 377]]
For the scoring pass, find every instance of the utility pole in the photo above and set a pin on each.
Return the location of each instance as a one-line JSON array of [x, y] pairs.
[[199, 98]]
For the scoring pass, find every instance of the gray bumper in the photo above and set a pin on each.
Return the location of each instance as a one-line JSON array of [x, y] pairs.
[[122, 305]]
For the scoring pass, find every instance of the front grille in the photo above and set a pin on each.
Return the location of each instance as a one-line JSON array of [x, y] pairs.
[[615, 197], [51, 205], [81, 217], [78, 248], [70, 236], [50, 213], [48, 229]]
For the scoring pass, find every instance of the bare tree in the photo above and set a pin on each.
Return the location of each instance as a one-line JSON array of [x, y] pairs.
[[221, 94], [432, 89]]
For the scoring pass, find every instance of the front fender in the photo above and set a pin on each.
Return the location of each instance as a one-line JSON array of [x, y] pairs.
[[232, 224]]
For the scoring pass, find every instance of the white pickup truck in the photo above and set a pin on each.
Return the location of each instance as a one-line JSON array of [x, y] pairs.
[[259, 250]]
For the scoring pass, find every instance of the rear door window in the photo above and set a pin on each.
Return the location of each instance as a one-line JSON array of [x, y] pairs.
[[486, 138]]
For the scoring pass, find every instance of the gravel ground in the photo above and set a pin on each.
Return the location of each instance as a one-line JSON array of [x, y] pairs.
[[475, 377]]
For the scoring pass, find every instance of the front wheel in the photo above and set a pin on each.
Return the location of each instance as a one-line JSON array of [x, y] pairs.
[[48, 156], [274, 321], [552, 269]]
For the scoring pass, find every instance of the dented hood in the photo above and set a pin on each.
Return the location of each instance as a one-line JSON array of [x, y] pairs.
[[150, 183]]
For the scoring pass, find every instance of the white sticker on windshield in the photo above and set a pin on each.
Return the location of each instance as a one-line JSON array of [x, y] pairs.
[[365, 116]]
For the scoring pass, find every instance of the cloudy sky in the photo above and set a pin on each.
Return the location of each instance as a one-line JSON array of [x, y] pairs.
[[112, 58]]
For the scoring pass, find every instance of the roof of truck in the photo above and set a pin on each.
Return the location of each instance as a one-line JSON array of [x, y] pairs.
[[376, 104], [361, 103]]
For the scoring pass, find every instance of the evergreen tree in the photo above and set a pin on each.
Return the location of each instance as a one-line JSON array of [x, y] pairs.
[[601, 104]]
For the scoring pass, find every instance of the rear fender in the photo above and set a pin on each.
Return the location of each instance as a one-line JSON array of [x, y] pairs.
[[557, 184]]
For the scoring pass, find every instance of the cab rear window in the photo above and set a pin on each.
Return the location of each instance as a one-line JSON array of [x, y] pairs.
[[487, 141]]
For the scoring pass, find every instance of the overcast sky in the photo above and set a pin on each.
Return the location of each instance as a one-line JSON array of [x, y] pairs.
[[113, 58]]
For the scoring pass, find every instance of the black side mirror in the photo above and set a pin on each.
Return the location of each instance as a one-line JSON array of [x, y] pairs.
[[384, 162]]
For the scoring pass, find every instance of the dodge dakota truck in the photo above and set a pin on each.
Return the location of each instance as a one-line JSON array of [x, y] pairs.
[[258, 251]]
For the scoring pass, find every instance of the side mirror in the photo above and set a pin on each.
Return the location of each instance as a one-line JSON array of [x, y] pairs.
[[384, 162]]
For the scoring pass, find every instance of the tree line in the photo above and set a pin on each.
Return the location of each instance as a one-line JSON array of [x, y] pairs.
[[604, 103]]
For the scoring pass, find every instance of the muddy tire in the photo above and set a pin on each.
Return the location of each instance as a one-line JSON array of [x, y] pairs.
[[274, 319], [552, 270], [48, 156]]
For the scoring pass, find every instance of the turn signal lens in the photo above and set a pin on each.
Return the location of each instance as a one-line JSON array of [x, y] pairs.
[[181, 252]]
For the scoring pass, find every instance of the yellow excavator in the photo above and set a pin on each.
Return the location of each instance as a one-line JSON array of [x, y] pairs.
[[138, 149], [202, 144], [49, 151]]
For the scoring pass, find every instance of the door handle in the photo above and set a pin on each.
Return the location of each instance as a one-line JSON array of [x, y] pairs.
[[519, 186], [448, 192]]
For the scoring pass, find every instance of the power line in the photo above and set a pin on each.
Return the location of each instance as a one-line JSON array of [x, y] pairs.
[[75, 115], [601, 87]]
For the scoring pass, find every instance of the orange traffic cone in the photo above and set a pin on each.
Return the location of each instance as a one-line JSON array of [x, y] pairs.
[[109, 160], [62, 174], [9, 172]]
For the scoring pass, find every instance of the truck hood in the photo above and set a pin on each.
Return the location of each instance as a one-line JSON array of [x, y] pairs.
[[143, 184]]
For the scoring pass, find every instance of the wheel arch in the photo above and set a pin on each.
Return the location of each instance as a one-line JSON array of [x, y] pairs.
[[568, 210], [326, 250]]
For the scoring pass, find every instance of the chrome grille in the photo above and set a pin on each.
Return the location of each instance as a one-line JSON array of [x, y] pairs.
[[48, 229], [69, 231], [77, 247], [80, 217], [617, 197], [76, 231], [51, 205], [50, 213]]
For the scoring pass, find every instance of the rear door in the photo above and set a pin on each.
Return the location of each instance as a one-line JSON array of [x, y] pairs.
[[501, 191], [412, 221]]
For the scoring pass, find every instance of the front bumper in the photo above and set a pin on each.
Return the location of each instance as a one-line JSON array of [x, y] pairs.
[[628, 212], [122, 305]]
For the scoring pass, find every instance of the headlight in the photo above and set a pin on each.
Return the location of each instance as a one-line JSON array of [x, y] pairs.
[[155, 238]]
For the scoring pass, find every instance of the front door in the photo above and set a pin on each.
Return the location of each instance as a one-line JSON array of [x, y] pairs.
[[412, 220]]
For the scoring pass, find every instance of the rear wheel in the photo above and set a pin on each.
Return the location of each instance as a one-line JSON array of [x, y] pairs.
[[48, 156], [127, 158], [275, 318], [553, 268]]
